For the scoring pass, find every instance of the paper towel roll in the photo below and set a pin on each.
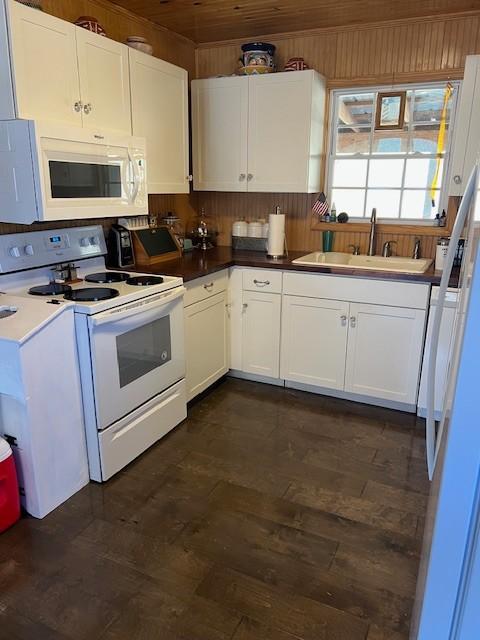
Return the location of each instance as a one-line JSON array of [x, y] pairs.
[[276, 235]]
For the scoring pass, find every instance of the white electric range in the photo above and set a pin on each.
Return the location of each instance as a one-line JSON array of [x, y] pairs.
[[129, 333]]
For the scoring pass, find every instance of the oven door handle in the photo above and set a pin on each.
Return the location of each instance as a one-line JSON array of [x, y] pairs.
[[153, 303]]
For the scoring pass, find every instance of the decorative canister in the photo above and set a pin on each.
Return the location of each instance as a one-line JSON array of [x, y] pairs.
[[296, 64], [258, 54], [240, 228], [139, 43], [91, 24], [255, 229]]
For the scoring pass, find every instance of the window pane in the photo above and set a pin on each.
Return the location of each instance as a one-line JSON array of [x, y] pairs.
[[349, 200], [355, 109], [428, 105], [386, 201], [385, 173], [390, 141], [349, 173], [424, 139], [420, 172], [418, 204], [351, 140]]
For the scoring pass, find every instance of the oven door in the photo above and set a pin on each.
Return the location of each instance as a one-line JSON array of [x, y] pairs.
[[84, 179], [137, 351]]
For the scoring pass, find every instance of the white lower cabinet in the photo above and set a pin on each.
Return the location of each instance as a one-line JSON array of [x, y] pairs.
[[384, 352], [261, 333], [206, 343], [314, 341]]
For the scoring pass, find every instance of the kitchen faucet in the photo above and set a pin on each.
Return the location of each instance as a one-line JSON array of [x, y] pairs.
[[387, 248], [416, 249], [371, 242]]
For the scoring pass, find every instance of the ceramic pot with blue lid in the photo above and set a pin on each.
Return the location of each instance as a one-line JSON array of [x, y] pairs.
[[258, 54]]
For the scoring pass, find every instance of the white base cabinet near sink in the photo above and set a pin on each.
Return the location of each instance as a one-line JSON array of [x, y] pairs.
[[354, 338]]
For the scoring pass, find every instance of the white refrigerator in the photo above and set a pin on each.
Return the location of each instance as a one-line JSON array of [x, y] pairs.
[[447, 604]]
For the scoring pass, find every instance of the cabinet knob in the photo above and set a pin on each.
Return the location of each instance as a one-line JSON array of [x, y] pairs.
[[241, 177], [98, 137], [343, 320], [245, 305], [457, 179], [87, 108], [208, 287], [189, 178], [78, 106], [249, 176], [353, 322]]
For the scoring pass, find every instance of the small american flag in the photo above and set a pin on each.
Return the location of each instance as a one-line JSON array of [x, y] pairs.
[[320, 205]]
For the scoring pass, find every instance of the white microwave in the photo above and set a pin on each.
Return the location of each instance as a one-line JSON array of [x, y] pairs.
[[50, 172]]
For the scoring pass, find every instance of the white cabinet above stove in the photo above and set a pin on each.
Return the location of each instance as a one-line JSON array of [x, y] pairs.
[[52, 70]]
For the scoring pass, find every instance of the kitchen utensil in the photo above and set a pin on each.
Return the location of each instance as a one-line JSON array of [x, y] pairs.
[[258, 54], [276, 234], [91, 24], [296, 64], [140, 43], [327, 240]]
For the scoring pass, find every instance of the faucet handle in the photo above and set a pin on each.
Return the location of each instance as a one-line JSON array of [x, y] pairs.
[[356, 249], [387, 248]]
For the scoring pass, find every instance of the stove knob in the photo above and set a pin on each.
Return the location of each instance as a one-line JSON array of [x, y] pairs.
[[94, 241], [28, 249], [14, 252], [84, 242]]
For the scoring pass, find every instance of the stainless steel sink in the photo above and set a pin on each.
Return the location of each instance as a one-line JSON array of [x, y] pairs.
[[372, 263]]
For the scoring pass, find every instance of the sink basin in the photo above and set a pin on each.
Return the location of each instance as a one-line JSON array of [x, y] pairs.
[[372, 263]]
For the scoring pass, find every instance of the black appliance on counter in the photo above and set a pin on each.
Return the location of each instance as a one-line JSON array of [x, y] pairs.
[[120, 247]]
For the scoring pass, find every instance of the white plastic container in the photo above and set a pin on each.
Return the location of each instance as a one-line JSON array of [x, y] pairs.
[[255, 229], [240, 228], [441, 253]]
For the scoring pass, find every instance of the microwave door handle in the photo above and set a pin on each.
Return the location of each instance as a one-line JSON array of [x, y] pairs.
[[136, 178], [431, 439], [156, 303]]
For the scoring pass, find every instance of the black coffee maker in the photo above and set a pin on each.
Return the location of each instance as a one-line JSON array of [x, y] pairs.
[[120, 247]]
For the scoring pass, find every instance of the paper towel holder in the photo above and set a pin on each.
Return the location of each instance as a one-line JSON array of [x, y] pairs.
[[278, 256]]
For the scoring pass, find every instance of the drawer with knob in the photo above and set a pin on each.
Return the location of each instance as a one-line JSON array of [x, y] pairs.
[[266, 280], [205, 287]]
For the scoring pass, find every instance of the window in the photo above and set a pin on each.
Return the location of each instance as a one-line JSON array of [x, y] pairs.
[[391, 170]]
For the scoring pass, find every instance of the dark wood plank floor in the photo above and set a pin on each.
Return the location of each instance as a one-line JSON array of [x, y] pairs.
[[268, 515]]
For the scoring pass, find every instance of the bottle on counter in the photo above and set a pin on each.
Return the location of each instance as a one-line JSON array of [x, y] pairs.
[[333, 213], [443, 219], [436, 221]]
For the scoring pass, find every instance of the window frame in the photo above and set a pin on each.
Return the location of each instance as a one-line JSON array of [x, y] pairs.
[[332, 137]]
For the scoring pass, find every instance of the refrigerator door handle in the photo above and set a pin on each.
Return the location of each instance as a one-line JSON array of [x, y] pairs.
[[437, 318]]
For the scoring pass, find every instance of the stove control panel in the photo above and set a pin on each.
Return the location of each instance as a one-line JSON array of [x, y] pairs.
[[33, 249]]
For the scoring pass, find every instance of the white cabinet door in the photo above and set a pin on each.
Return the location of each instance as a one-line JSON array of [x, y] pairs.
[[44, 65], [280, 127], [104, 82], [314, 341], [206, 343], [219, 123], [466, 142], [384, 352], [160, 114], [261, 333], [235, 318]]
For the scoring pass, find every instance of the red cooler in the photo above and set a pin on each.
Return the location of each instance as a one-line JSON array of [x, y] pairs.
[[9, 496]]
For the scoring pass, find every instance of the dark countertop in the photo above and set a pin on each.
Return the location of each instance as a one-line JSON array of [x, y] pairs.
[[197, 263]]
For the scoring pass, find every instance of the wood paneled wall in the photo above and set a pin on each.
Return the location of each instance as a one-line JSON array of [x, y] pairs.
[[382, 53], [119, 24]]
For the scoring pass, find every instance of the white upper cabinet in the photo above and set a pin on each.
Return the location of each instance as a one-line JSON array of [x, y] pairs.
[[466, 141], [160, 115], [219, 123], [258, 133], [285, 131], [62, 73], [44, 66], [104, 82]]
